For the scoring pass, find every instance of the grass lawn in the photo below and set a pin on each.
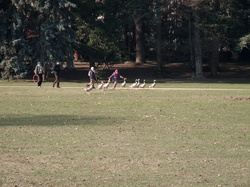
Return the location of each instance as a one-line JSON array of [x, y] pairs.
[[178, 134]]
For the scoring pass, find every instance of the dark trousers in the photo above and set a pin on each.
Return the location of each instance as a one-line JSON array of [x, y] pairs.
[[39, 83], [57, 80]]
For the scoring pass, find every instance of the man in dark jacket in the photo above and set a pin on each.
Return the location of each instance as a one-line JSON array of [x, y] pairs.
[[57, 69]]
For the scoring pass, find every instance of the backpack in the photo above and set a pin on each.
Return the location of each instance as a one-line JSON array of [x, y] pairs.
[[39, 70]]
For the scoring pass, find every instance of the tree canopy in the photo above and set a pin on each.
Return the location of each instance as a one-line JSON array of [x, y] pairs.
[[164, 31]]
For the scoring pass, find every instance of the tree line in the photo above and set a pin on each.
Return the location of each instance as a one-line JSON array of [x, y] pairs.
[[114, 31]]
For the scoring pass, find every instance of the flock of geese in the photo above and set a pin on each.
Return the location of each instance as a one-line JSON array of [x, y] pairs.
[[137, 84]]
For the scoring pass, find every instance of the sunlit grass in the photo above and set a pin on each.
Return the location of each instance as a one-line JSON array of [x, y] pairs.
[[124, 137]]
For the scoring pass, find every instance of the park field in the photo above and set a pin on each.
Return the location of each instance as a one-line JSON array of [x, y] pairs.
[[176, 134]]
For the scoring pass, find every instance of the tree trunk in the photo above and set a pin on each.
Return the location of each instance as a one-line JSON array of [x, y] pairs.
[[214, 57], [215, 46], [139, 39], [197, 50], [190, 31], [159, 46]]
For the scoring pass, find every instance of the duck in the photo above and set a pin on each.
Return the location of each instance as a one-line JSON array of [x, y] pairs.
[[134, 84], [124, 83], [143, 84], [100, 85], [106, 85], [89, 88], [138, 83], [153, 84]]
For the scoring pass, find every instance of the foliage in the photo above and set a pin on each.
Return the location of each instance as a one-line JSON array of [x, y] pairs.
[[36, 31], [244, 42], [52, 30], [99, 31]]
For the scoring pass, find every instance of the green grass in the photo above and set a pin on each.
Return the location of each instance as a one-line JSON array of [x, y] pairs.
[[124, 137]]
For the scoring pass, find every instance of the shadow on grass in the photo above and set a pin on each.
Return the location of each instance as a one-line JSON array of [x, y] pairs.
[[56, 120]]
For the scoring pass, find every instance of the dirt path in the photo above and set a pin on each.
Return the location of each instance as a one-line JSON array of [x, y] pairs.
[[179, 89]]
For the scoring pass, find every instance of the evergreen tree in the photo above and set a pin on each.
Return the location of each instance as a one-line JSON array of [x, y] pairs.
[[35, 31]]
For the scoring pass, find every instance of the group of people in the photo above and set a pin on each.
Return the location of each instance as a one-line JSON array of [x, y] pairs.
[[39, 75], [40, 72], [114, 77]]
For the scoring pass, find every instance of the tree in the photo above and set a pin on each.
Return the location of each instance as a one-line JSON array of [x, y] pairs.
[[101, 30], [195, 8], [223, 24], [118, 30], [159, 43], [197, 49], [138, 17], [215, 44], [35, 31], [238, 29]]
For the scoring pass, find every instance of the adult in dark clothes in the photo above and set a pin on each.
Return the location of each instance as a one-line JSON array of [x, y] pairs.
[[92, 77], [39, 71]]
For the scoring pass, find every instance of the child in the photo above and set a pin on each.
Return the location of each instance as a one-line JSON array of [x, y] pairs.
[[115, 76]]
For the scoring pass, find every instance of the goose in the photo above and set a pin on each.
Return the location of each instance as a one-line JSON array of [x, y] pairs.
[[106, 85], [100, 85], [124, 83], [143, 84], [153, 84], [134, 84], [138, 83], [89, 88]]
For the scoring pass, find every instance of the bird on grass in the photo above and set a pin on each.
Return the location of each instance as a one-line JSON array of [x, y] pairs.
[[153, 84], [138, 83], [106, 85], [100, 85], [134, 84], [143, 84], [124, 83], [89, 87]]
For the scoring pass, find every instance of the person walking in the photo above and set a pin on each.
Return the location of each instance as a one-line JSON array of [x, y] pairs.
[[92, 77], [114, 77], [39, 72], [57, 69]]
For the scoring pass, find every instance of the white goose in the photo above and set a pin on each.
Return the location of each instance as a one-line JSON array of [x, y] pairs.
[[106, 85], [138, 83], [143, 84], [153, 84], [89, 88], [124, 83], [134, 84], [100, 85]]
